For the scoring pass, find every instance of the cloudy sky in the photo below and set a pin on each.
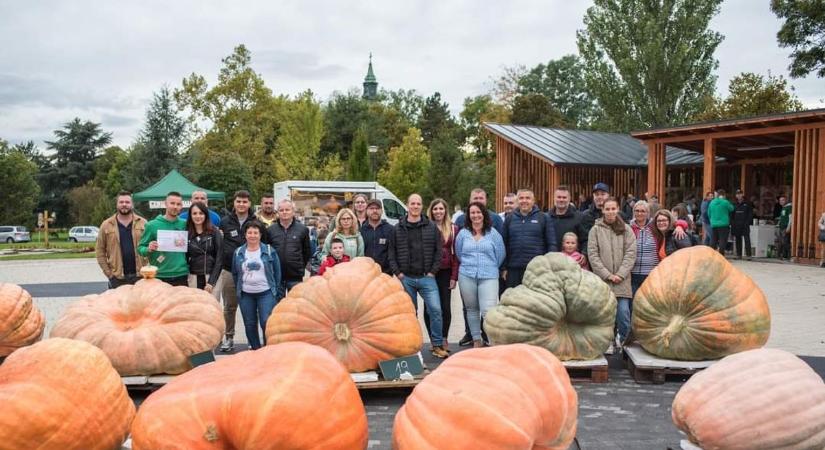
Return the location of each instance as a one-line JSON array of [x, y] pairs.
[[102, 60]]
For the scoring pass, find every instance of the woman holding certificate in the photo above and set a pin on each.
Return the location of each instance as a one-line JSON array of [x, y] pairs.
[[205, 248], [257, 274]]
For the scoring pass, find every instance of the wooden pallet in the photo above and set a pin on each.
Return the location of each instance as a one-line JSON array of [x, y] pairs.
[[392, 384], [590, 371], [647, 368]]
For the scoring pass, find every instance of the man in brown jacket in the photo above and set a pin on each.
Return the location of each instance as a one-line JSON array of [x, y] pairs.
[[117, 242]]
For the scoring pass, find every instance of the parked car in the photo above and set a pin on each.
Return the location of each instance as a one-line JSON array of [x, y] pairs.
[[14, 234], [83, 234]]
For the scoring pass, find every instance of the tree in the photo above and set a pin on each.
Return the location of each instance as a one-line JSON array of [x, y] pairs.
[[804, 31], [476, 111], [535, 109], [408, 103], [750, 94], [649, 63], [446, 167], [110, 168], [435, 119], [19, 191], [163, 136], [344, 114], [561, 81], [408, 168], [505, 87], [222, 171], [359, 159], [88, 205], [72, 164], [297, 154]]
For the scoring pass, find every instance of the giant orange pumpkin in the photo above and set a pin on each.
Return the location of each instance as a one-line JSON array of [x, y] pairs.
[[359, 314], [695, 305], [514, 396], [61, 394], [291, 395], [145, 329], [755, 400], [21, 323]]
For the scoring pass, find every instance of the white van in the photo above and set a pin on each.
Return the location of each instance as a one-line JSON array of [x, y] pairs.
[[326, 198]]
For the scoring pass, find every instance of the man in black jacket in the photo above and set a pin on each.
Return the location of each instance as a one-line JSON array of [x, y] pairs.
[[567, 218], [291, 240], [528, 233], [233, 237], [377, 234], [415, 257], [601, 192], [740, 224]]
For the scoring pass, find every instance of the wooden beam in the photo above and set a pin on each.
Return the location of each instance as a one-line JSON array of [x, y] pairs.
[[744, 177], [728, 134], [820, 188], [656, 170], [709, 167]]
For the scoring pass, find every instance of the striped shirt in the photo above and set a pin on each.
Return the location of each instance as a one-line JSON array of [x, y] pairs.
[[647, 254]]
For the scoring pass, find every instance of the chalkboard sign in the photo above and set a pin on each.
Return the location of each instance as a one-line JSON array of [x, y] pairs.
[[200, 359], [393, 368]]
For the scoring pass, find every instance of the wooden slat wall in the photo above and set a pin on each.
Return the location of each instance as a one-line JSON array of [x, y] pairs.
[[656, 170], [807, 182], [580, 179], [517, 169]]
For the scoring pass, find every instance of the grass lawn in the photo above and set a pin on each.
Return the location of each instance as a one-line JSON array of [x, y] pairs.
[[61, 241], [57, 255]]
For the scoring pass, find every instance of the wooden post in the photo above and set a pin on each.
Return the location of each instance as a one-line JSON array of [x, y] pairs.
[[656, 170], [819, 182], [745, 177], [46, 228], [709, 173]]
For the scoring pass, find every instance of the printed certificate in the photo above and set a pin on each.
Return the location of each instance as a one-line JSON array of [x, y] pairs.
[[172, 241]]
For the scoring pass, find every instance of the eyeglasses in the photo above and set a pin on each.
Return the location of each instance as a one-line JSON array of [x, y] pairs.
[[345, 218], [641, 211]]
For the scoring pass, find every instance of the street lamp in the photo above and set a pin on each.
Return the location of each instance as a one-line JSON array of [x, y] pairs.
[[373, 150]]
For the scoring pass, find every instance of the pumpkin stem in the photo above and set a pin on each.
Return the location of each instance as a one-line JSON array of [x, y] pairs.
[[148, 272], [211, 434], [677, 323], [342, 332]]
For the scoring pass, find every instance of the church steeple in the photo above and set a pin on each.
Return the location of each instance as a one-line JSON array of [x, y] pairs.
[[370, 83]]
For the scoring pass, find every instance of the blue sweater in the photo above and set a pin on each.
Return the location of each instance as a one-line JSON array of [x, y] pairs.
[[479, 259], [528, 236]]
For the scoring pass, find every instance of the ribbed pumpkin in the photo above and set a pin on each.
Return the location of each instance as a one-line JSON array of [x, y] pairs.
[[558, 306], [755, 400], [695, 305], [61, 394], [145, 329], [505, 397], [21, 323], [359, 314], [291, 395]]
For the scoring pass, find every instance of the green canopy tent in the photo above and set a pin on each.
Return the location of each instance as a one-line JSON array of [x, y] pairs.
[[173, 181]]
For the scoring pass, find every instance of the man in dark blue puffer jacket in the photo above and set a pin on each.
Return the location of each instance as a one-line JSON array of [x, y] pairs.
[[528, 233]]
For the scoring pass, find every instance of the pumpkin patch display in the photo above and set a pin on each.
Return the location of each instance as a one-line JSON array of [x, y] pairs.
[[146, 329], [62, 394], [558, 306], [754, 400], [21, 323], [361, 315], [292, 395], [695, 306], [504, 397]]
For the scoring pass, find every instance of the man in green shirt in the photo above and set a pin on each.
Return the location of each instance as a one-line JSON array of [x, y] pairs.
[[784, 230], [719, 212], [172, 266]]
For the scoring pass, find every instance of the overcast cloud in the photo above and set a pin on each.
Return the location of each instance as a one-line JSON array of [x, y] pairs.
[[102, 60]]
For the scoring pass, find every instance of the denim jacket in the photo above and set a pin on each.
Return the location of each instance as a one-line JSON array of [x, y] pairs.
[[272, 268]]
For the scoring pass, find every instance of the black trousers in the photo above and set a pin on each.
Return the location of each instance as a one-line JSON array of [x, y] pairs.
[[177, 281], [719, 238], [514, 277], [442, 280], [128, 279], [738, 237]]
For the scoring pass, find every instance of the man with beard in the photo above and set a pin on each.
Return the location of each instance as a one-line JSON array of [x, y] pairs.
[[172, 266], [267, 214], [116, 247]]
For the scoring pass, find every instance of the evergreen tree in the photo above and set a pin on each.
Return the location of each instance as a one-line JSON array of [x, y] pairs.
[[536, 110], [359, 159], [435, 118]]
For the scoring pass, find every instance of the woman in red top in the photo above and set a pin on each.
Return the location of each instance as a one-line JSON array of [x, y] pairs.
[[447, 275]]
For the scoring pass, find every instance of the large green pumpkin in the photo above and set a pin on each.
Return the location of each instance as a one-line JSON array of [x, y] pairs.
[[558, 306]]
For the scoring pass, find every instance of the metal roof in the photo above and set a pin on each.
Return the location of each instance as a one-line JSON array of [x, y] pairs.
[[580, 147]]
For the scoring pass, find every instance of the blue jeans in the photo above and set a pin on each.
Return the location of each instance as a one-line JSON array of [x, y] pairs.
[[428, 288], [479, 296], [286, 285], [636, 281], [623, 313], [256, 308]]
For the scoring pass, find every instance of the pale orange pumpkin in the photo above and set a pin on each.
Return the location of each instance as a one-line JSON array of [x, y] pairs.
[[515, 396], [359, 314], [145, 329], [291, 395], [62, 394], [754, 400], [21, 323], [695, 305]]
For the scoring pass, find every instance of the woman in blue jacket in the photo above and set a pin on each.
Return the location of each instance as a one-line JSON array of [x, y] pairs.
[[480, 251], [257, 275]]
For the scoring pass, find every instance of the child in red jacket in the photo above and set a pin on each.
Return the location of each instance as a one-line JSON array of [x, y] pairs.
[[337, 256]]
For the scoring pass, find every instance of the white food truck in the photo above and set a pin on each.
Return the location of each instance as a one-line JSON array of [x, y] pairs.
[[326, 198]]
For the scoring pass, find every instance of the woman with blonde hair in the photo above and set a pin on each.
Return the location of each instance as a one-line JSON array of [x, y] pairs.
[[447, 276], [346, 229]]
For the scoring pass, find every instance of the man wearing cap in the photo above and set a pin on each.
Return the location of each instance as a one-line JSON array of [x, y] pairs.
[[601, 192], [377, 234], [740, 224]]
